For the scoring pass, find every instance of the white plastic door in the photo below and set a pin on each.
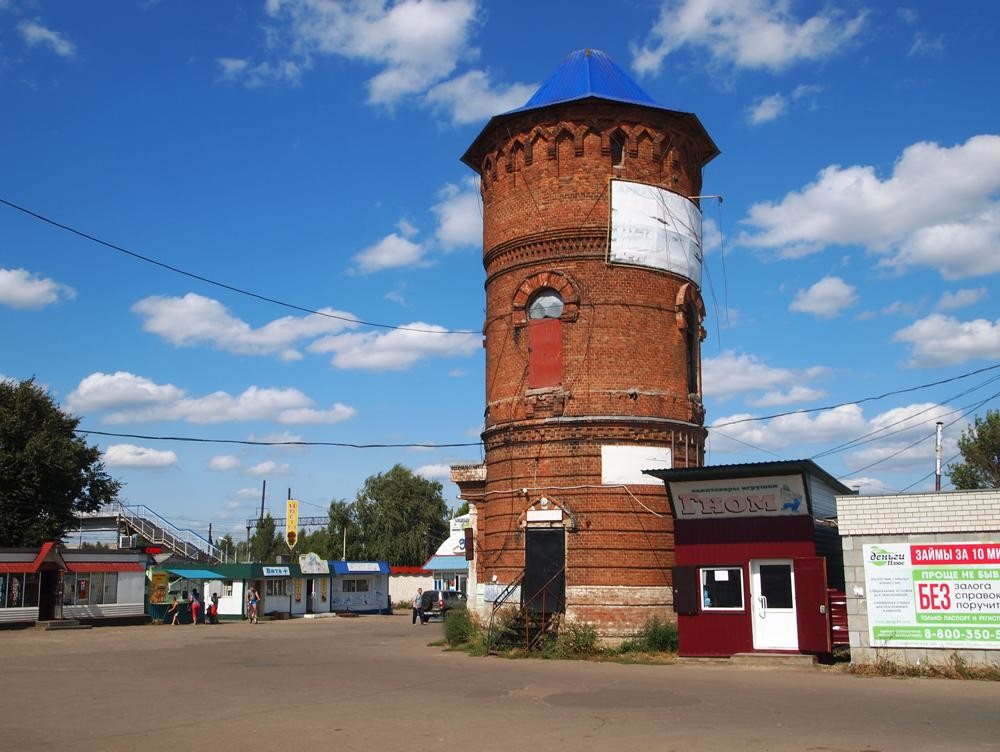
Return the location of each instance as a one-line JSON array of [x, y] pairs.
[[772, 589]]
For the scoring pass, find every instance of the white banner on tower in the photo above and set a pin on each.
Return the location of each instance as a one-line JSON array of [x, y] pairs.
[[651, 226]]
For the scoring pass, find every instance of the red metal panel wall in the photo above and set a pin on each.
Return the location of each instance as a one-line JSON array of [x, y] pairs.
[[545, 361], [733, 542]]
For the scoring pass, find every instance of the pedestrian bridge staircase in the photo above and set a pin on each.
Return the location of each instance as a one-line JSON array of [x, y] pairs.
[[140, 520]]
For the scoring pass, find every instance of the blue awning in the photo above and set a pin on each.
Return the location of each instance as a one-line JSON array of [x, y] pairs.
[[447, 564], [196, 574], [359, 567]]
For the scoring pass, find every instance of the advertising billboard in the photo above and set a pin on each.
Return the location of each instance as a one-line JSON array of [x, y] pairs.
[[933, 595], [654, 227], [778, 496]]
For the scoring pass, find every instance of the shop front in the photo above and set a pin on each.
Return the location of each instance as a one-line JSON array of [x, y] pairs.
[[52, 582], [757, 555]]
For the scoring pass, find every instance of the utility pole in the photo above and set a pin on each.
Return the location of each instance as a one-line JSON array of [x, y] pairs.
[[263, 492], [937, 458]]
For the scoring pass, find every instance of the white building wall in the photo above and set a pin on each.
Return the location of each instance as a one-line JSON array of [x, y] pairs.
[[403, 587], [953, 517]]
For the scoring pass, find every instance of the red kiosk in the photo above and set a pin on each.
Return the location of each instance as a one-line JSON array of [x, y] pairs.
[[757, 558]]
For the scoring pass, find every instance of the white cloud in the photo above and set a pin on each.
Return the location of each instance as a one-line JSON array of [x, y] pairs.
[[19, 288], [195, 319], [908, 308], [825, 299], [129, 455], [766, 109], [961, 298], [254, 75], [794, 395], [460, 217], [799, 429], [103, 391], [939, 340], [904, 439], [270, 467], [471, 97], [924, 45], [434, 472], [244, 494], [711, 236], [937, 209], [397, 349], [415, 43], [35, 34], [867, 486], [390, 252], [730, 373], [755, 34], [131, 398], [224, 463]]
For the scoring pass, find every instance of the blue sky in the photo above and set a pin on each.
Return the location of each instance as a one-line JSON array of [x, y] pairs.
[[307, 151]]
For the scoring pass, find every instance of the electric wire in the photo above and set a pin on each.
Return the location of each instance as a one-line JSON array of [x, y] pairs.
[[873, 398], [224, 285], [247, 442]]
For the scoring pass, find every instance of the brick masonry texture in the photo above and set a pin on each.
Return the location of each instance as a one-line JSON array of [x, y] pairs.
[[626, 342]]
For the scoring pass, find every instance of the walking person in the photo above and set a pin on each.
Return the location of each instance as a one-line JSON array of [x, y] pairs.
[[195, 606], [418, 606], [253, 598], [175, 609]]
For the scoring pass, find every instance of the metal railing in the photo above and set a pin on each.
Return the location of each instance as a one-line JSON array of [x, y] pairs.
[[538, 611], [154, 528]]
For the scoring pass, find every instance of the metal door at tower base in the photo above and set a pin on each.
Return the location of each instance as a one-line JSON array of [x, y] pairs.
[[772, 604], [544, 587]]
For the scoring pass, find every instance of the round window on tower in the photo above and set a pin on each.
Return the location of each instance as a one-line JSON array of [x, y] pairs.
[[546, 304]]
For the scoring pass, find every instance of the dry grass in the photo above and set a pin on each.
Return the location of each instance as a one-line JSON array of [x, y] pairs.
[[955, 668]]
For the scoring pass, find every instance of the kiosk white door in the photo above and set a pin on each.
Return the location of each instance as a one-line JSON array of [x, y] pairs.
[[772, 589]]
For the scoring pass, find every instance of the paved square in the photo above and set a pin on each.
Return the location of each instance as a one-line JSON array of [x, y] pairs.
[[372, 683]]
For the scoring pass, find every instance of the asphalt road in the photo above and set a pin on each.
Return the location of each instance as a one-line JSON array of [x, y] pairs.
[[373, 683]]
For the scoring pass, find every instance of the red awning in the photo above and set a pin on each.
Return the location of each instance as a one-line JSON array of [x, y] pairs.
[[105, 566], [28, 566]]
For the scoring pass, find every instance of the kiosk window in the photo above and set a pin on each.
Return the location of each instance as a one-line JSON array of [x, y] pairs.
[[722, 589], [355, 586]]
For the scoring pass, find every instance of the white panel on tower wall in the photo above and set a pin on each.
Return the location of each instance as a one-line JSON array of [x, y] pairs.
[[654, 227], [623, 465]]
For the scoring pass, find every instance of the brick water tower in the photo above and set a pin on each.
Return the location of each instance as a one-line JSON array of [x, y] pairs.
[[592, 252]]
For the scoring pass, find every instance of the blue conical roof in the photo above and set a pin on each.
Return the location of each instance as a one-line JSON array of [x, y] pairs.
[[588, 74], [584, 74]]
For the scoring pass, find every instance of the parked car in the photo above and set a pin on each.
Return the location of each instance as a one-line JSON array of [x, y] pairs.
[[440, 602]]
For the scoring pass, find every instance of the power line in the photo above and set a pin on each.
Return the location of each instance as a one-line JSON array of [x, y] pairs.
[[854, 402], [347, 445], [223, 285]]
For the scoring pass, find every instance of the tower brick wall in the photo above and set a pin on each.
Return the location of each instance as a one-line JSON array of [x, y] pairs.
[[625, 337]]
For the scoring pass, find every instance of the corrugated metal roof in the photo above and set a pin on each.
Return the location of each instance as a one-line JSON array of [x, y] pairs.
[[105, 566], [588, 73]]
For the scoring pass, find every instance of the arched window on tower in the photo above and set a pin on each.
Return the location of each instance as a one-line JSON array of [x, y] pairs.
[[618, 140], [545, 363], [692, 341]]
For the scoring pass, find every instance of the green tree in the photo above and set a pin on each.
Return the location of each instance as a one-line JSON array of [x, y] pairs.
[[402, 517], [980, 448], [265, 543], [462, 508], [344, 520], [47, 473]]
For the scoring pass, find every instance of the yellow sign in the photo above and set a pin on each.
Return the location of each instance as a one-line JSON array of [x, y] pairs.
[[322, 589], [298, 590], [159, 584], [291, 523]]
